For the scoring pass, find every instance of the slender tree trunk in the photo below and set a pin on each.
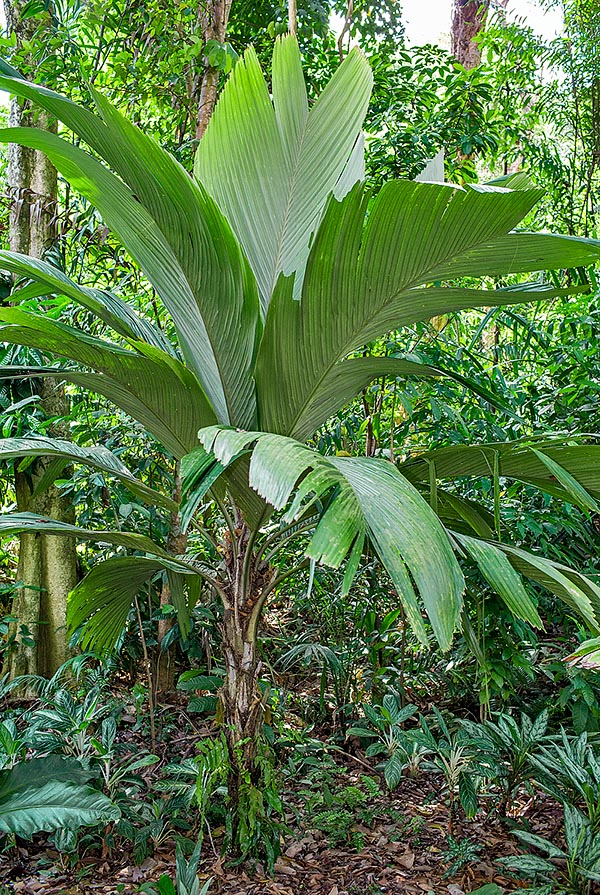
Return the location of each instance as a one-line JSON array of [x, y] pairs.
[[468, 19], [292, 17], [242, 700], [213, 18], [243, 708], [47, 565]]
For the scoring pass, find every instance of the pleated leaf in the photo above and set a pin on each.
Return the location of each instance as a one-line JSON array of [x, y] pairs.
[[570, 586], [15, 523], [149, 384], [96, 457], [107, 306], [356, 497], [500, 575], [578, 465], [347, 379], [101, 602], [271, 161], [174, 231], [365, 276], [520, 253], [199, 472], [570, 484]]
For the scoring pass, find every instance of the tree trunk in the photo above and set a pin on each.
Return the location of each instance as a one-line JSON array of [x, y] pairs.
[[243, 709], [213, 18], [241, 697], [468, 19], [47, 565]]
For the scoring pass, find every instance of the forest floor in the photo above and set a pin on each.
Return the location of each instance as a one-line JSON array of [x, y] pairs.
[[403, 844]]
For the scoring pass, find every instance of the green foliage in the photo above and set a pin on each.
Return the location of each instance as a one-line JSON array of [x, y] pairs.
[[336, 811], [456, 758], [212, 766], [285, 309], [459, 854], [508, 748], [263, 336], [50, 794], [385, 724], [578, 864], [570, 771], [186, 877], [257, 807]]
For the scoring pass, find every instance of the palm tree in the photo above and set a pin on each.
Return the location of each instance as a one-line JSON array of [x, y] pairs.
[[276, 266]]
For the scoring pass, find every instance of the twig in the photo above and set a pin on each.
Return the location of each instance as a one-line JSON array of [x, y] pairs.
[[359, 761], [212, 844], [148, 676]]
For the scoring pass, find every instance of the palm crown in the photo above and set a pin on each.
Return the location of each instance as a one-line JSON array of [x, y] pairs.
[[276, 266]]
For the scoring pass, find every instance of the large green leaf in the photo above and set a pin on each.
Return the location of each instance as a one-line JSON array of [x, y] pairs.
[[49, 794], [174, 230], [497, 570], [102, 600], [271, 162], [15, 523], [347, 379], [151, 385], [356, 496], [542, 463], [96, 456], [463, 515], [521, 252], [106, 305], [364, 278], [573, 588]]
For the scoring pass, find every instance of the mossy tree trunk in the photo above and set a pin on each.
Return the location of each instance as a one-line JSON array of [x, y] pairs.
[[468, 19], [248, 583], [47, 566], [213, 17]]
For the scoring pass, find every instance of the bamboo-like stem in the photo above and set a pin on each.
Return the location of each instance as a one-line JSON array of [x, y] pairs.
[[148, 676]]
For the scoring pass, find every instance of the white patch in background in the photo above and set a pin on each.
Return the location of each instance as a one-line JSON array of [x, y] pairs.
[[428, 21]]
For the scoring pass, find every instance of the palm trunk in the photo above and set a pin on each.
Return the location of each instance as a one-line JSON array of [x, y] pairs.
[[241, 697], [242, 710]]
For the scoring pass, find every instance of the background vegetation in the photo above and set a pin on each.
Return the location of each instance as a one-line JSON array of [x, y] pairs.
[[384, 763]]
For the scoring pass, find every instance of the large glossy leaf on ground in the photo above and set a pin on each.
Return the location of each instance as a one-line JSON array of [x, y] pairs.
[[147, 383], [113, 310], [565, 470], [95, 456], [47, 794], [102, 600], [271, 162], [173, 229], [354, 497], [364, 277]]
